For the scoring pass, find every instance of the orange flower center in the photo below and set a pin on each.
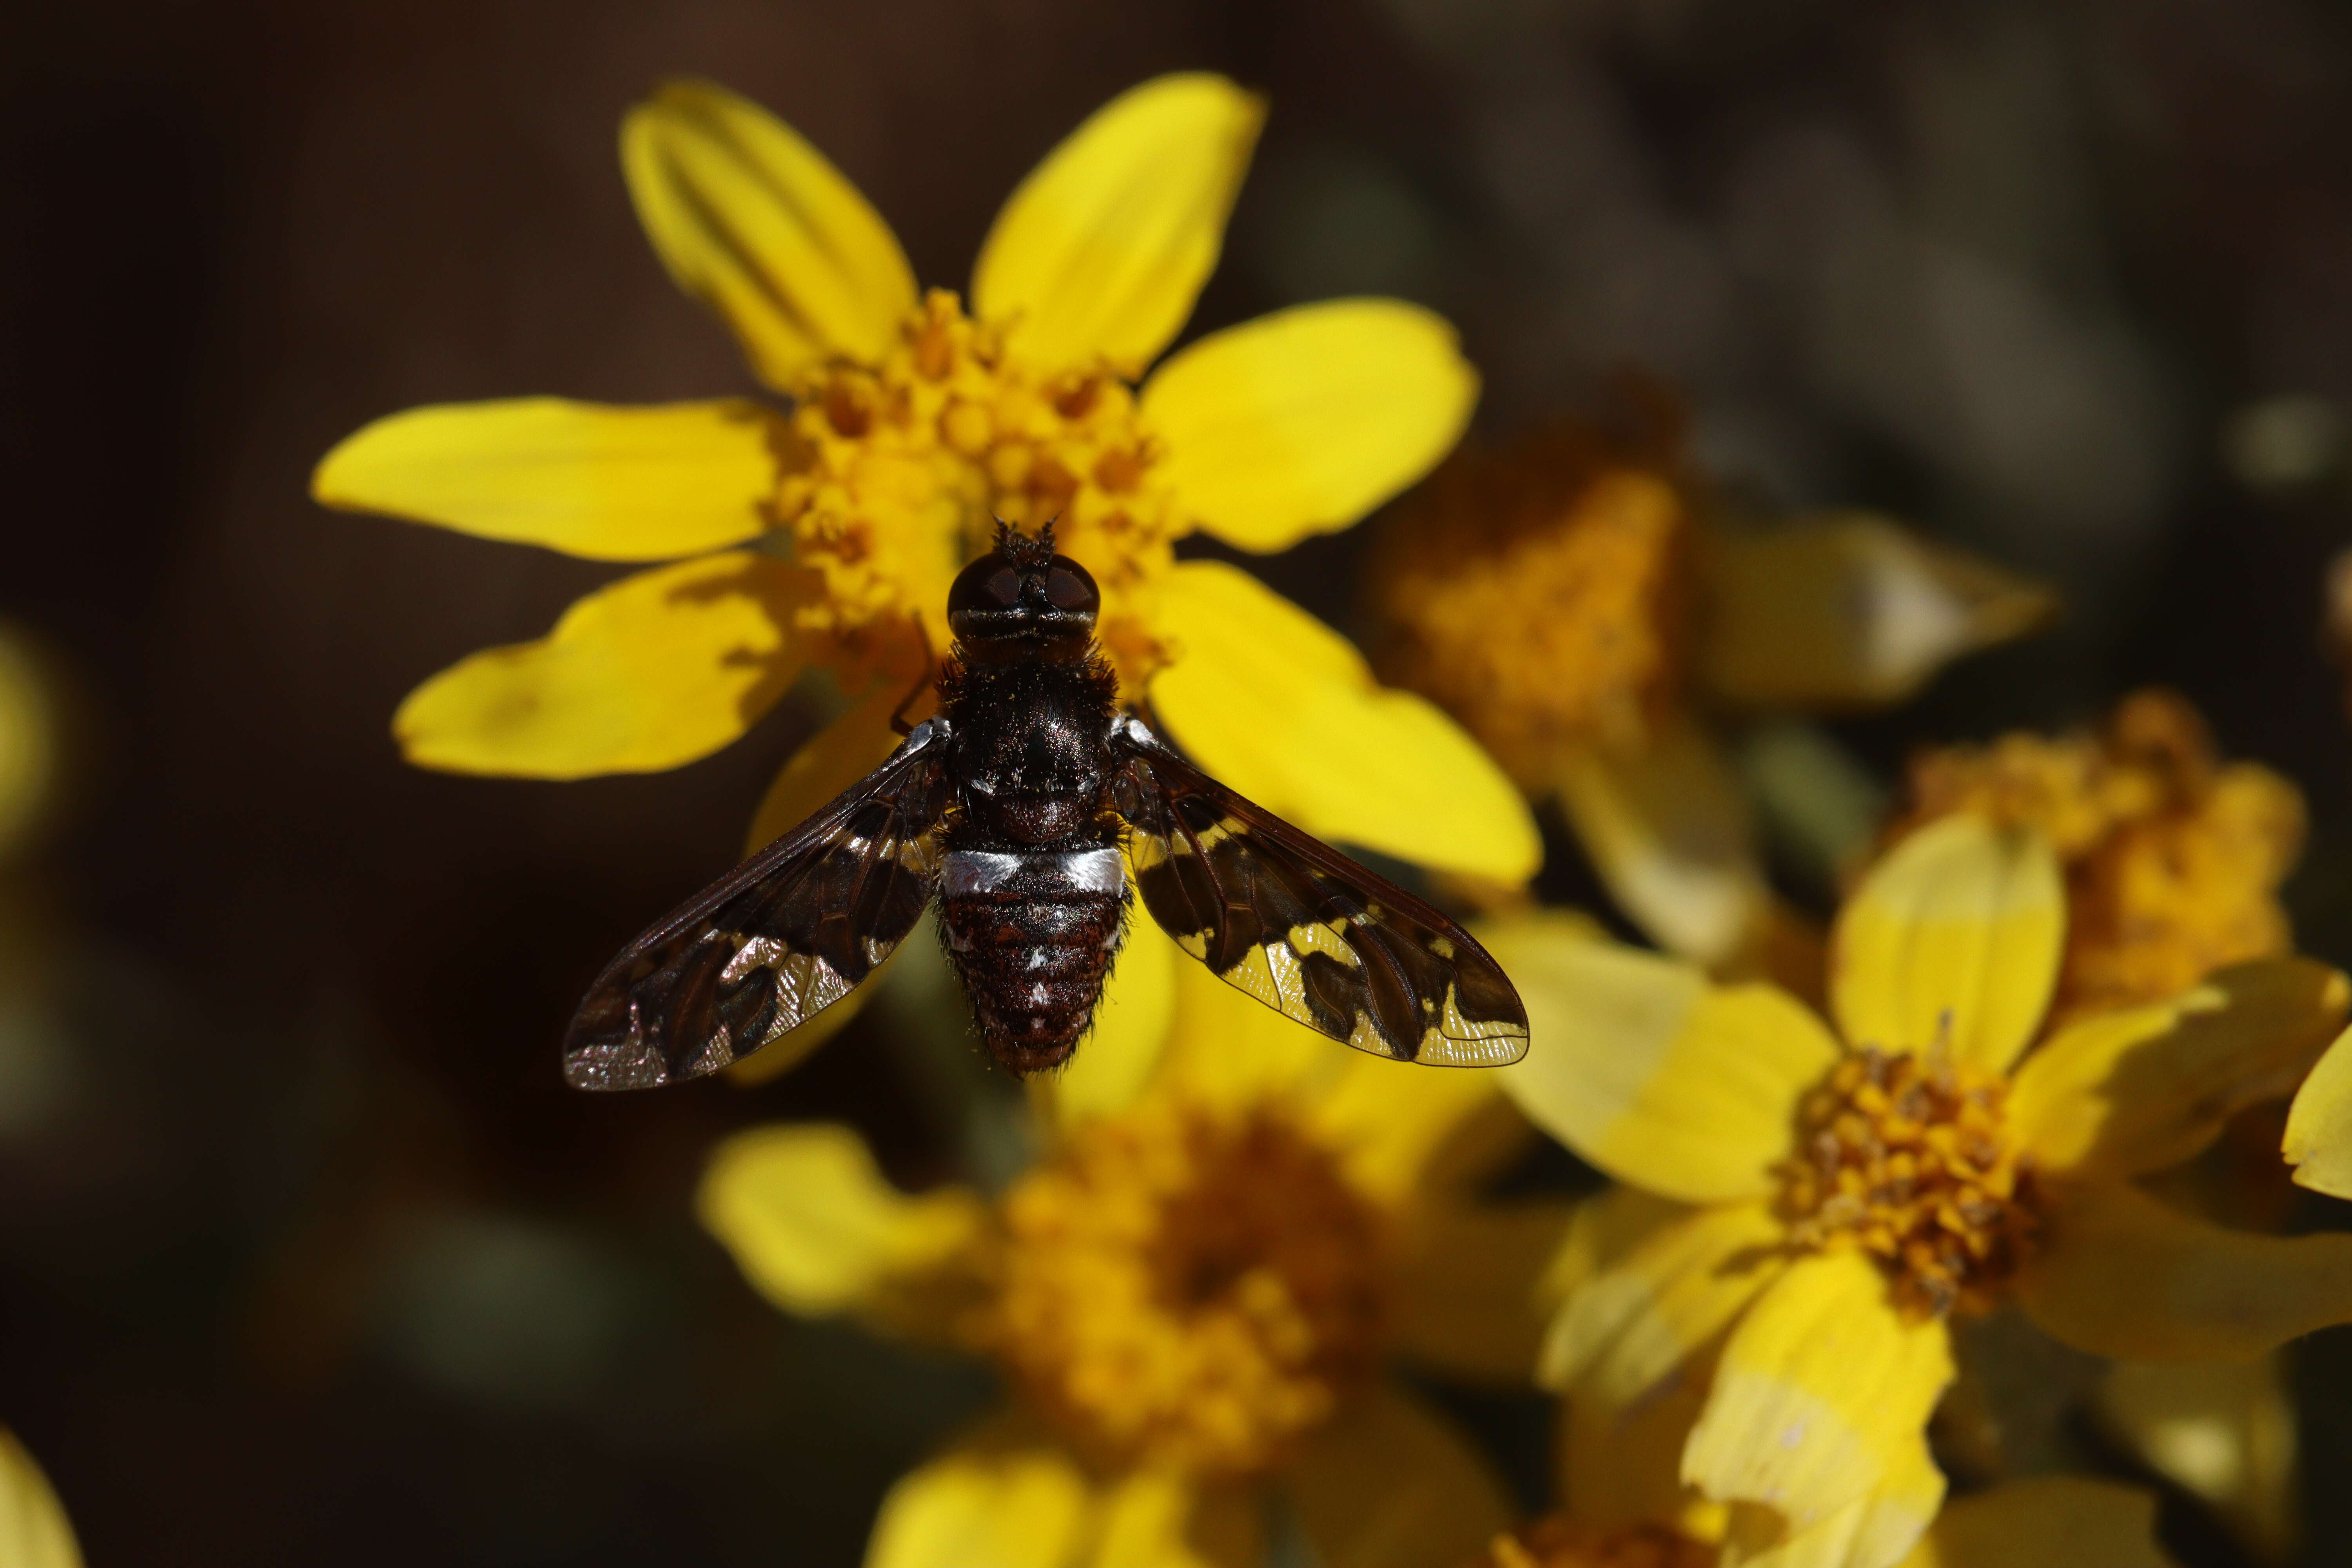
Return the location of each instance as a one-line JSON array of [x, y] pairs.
[[1536, 592], [2173, 861], [1909, 1158], [894, 474], [1557, 1540], [1188, 1288]]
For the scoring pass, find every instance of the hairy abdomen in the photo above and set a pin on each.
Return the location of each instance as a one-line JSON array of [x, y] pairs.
[[1032, 935]]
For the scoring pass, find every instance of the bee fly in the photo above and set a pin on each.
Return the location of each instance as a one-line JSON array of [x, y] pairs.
[[1011, 808]]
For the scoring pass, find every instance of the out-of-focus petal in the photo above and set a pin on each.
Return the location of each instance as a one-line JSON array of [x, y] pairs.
[[33, 1532], [1821, 1397], [653, 672], [1631, 1327], [2225, 1431], [1388, 1484], [1647, 1070], [1284, 710], [817, 1230], [1101, 250], [1953, 940], [1467, 1296], [2319, 1124], [1848, 610], [1405, 1131], [2119, 1273], [754, 222], [1300, 422], [609, 484], [2045, 1522], [1621, 1463], [1669, 832], [1005, 1495], [2124, 1093]]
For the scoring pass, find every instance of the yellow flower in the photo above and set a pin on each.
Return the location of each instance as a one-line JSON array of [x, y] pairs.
[[1192, 1294], [1839, 1194], [825, 536], [1576, 603], [2049, 1521], [2173, 860], [33, 1529]]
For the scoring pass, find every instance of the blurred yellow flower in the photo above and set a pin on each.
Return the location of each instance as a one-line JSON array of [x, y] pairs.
[[2173, 859], [33, 1529], [1830, 1198], [2050, 1522], [1577, 604], [824, 537], [1192, 1294]]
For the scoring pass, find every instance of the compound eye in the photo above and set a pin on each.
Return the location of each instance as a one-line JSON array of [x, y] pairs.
[[1069, 587], [990, 583]]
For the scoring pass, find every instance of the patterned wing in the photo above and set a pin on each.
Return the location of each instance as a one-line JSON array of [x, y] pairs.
[[1301, 927], [782, 936]]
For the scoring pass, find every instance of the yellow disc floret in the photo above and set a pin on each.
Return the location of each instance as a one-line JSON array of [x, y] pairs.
[[1908, 1158], [2173, 859], [894, 475], [1188, 1288], [1536, 592]]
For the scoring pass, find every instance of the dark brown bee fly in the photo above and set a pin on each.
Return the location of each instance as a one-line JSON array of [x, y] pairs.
[[1010, 807]]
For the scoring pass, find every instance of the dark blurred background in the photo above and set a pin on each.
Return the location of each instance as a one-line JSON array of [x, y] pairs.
[[306, 1255]]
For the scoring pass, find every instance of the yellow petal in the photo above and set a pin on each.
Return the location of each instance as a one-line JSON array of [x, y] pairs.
[[2127, 1092], [1822, 1393], [652, 672], [1848, 610], [2045, 1522], [2225, 1431], [1388, 1484], [753, 222], [1285, 710], [1632, 1327], [1399, 1134], [1952, 941], [1122, 1050], [1155, 1520], [1646, 1068], [1668, 832], [829, 761], [1006, 1496], [33, 1529], [609, 484], [1300, 422], [2319, 1125], [1230, 1051], [1873, 1532], [818, 1231], [1468, 1290], [1101, 250], [2119, 1274]]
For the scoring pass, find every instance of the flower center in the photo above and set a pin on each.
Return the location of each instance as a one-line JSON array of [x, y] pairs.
[[1188, 1288], [1909, 1158], [894, 475], [1557, 1540], [1535, 592], [2173, 861]]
